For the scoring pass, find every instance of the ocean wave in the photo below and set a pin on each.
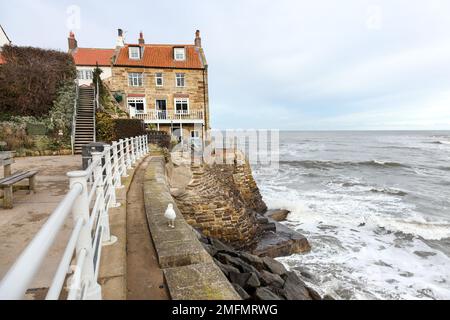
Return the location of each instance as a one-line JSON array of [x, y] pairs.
[[393, 192], [320, 164], [426, 230], [441, 142], [444, 168]]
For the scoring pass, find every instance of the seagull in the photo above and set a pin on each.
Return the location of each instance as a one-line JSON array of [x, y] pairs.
[[171, 216]]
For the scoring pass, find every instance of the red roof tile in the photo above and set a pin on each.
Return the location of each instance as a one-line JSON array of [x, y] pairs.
[[161, 56], [91, 56]]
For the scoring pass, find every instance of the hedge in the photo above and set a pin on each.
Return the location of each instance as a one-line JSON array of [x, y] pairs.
[[30, 79], [109, 129]]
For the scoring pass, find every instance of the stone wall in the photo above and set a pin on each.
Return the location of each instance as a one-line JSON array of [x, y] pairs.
[[222, 200]]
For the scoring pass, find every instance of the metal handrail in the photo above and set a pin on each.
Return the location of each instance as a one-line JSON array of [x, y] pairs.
[[91, 229]]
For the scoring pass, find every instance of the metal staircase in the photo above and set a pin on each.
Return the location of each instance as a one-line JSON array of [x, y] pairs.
[[85, 118]]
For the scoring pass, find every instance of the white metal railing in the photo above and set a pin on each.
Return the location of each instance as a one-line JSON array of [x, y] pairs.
[[92, 193], [169, 115]]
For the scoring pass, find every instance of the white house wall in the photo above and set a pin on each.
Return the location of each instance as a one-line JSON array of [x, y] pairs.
[[107, 73]]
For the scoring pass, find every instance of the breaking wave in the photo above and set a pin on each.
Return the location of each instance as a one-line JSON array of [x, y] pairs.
[[315, 164]]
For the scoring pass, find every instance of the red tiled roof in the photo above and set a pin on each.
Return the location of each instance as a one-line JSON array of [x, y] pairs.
[[2, 61], [91, 56], [161, 56]]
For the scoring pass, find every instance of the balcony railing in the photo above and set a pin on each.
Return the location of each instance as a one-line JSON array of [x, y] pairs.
[[169, 115]]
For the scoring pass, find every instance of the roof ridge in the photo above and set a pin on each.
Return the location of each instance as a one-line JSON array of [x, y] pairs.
[[96, 48]]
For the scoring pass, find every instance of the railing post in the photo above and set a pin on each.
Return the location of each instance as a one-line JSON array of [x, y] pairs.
[[133, 155], [123, 159], [84, 243], [117, 166], [110, 179], [141, 151], [99, 192], [128, 153]]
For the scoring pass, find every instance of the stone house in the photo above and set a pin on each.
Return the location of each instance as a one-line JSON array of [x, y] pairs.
[[165, 85]]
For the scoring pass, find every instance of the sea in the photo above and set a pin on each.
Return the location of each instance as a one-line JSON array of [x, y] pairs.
[[375, 206]]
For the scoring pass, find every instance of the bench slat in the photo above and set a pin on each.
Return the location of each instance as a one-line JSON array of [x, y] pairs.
[[8, 181]]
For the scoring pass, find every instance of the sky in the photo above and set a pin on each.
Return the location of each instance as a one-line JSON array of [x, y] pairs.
[[297, 65]]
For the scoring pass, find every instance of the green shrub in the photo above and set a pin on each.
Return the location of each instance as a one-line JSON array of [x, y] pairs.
[[127, 128], [61, 114], [104, 127], [30, 79]]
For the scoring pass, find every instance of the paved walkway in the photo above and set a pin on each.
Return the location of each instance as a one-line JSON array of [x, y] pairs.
[[19, 225], [145, 279]]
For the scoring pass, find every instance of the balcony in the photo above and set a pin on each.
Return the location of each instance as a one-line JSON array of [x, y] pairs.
[[195, 116]]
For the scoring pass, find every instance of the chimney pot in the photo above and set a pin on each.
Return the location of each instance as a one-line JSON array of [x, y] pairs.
[[120, 32], [73, 44], [198, 40], [141, 38]]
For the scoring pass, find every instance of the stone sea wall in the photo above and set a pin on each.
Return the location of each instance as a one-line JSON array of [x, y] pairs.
[[222, 200]]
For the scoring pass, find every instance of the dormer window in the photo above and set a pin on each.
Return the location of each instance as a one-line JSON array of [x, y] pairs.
[[179, 54], [134, 53]]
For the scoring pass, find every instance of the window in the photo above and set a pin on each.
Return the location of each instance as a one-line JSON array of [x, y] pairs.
[[182, 106], [134, 53], [137, 105], [195, 134], [179, 54], [159, 79], [179, 80], [135, 79], [85, 74]]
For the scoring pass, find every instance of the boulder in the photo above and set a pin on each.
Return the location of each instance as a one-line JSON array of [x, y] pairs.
[[294, 288], [242, 293], [225, 258], [265, 294], [255, 261], [278, 215], [248, 281], [274, 266], [270, 279], [210, 249], [226, 269], [314, 294], [283, 242]]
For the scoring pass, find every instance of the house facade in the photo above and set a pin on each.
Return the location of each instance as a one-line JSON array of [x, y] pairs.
[[86, 60], [165, 85]]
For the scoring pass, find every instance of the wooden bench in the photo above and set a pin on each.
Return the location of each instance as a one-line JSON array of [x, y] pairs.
[[7, 183]]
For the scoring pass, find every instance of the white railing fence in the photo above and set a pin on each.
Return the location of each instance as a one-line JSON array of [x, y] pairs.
[[92, 193]]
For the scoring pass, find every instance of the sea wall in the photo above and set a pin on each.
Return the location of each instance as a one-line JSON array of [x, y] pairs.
[[221, 200]]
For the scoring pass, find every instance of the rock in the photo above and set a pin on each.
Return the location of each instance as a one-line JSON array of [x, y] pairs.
[[210, 249], [265, 294], [271, 279], [305, 273], [278, 215], [255, 261], [284, 242], [247, 281], [226, 269], [244, 295], [328, 297], [294, 288], [274, 266], [222, 247], [268, 227], [225, 258], [314, 294]]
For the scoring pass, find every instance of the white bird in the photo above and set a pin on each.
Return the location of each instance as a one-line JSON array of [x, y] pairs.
[[170, 215]]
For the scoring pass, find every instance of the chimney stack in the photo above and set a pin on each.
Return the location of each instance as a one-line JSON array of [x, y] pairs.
[[120, 39], [73, 44], [198, 40], [141, 38]]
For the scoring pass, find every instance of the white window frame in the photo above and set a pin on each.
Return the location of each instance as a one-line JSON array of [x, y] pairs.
[[134, 53], [182, 100], [85, 74], [159, 75], [179, 54], [182, 77], [137, 100], [133, 79]]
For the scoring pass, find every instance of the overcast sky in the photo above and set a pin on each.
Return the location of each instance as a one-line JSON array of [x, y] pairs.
[[307, 65]]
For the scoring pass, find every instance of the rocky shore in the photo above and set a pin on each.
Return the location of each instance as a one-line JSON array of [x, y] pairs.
[[257, 278]]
